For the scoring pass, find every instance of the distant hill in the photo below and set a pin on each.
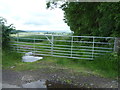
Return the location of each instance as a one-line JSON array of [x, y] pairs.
[[17, 31], [44, 31], [20, 31]]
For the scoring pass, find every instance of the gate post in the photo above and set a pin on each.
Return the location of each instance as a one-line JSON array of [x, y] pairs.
[[34, 44], [71, 45], [0, 36], [117, 45], [93, 47], [52, 44], [17, 41]]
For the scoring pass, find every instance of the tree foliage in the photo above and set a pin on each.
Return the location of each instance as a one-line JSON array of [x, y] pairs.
[[92, 18], [6, 31]]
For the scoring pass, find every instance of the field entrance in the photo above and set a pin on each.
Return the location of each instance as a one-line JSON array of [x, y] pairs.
[[78, 47]]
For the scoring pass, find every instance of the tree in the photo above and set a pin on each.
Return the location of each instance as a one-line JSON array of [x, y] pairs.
[[6, 31], [91, 18]]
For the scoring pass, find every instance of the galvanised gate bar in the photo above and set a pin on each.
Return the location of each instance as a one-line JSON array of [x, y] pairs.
[[78, 47]]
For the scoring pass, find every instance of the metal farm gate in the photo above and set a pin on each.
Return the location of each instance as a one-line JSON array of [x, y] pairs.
[[78, 47]]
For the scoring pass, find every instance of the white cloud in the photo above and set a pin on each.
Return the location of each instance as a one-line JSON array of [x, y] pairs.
[[32, 15]]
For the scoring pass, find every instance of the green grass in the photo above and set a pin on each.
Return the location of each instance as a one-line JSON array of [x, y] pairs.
[[14, 59], [105, 66], [31, 38], [10, 59]]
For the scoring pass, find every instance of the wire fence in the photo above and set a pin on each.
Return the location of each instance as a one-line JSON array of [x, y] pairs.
[[78, 47]]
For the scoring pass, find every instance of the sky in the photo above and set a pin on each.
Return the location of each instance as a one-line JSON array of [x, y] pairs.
[[32, 15]]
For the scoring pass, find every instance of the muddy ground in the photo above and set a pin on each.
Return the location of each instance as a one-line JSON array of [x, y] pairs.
[[57, 75]]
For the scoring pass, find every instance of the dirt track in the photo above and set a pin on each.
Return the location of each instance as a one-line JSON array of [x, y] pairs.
[[57, 75]]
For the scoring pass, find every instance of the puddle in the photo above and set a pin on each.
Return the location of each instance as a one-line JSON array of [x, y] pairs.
[[51, 84], [36, 84], [47, 84], [29, 58]]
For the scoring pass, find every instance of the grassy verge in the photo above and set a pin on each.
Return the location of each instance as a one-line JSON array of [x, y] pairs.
[[10, 59], [13, 60], [105, 66]]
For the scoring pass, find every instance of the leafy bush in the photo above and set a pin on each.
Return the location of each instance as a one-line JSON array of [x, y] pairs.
[[6, 31]]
